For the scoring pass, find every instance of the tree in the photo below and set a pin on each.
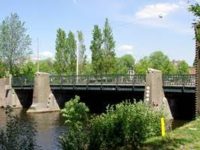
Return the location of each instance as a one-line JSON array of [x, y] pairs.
[[108, 48], [2, 69], [28, 69], [60, 57], [97, 53], [14, 42], [156, 60], [125, 63], [46, 65], [70, 55], [81, 50], [182, 68], [142, 66]]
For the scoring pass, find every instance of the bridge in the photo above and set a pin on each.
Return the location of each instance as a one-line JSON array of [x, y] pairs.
[[171, 83], [97, 91]]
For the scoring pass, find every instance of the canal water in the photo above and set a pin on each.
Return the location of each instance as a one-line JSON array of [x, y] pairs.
[[49, 126]]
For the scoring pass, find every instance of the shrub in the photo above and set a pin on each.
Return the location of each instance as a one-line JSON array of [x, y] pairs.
[[18, 134], [75, 114], [124, 125]]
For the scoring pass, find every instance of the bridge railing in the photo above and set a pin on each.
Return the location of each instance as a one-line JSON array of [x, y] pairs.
[[97, 80], [22, 81], [168, 80], [179, 80]]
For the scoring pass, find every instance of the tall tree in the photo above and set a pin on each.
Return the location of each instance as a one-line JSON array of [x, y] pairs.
[[61, 44], [97, 53], [108, 48], [71, 53], [14, 42], [81, 50]]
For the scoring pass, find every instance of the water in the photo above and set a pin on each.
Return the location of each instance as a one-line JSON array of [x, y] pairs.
[[49, 126]]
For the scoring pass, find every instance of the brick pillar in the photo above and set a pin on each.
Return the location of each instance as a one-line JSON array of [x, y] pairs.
[[43, 98]]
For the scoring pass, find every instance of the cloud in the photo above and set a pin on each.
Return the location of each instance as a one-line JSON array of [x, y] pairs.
[[125, 49], [46, 54], [155, 10]]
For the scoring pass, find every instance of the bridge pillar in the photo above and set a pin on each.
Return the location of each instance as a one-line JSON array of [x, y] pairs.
[[8, 97], [43, 98], [154, 93]]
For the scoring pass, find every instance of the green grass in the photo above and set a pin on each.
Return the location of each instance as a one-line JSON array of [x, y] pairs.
[[186, 137]]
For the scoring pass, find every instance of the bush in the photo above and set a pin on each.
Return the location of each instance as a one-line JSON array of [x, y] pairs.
[[76, 118], [18, 134], [124, 125]]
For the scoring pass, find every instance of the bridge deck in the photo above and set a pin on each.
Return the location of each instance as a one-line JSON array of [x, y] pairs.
[[171, 83]]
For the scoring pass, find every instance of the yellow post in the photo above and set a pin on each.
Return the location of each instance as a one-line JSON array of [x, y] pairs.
[[163, 127]]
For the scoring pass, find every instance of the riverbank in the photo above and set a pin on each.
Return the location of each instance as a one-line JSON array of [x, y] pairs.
[[186, 137]]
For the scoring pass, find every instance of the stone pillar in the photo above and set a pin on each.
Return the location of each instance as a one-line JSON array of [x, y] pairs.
[[43, 98], [8, 97], [154, 93]]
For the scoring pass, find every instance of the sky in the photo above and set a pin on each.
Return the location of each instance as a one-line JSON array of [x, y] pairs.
[[139, 27]]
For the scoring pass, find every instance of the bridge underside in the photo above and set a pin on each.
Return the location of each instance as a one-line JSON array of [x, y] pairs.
[[182, 102]]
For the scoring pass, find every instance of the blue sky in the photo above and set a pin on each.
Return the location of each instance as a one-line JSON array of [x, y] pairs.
[[136, 25]]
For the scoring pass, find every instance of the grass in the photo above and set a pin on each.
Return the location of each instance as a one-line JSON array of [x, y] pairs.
[[186, 137]]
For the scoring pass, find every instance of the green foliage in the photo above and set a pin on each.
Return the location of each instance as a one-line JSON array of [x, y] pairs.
[[157, 60], [47, 65], [18, 134], [108, 49], [71, 53], [60, 62], [82, 56], [142, 66], [65, 58], [76, 118], [97, 53], [28, 69], [2, 69], [103, 50], [124, 125], [125, 63], [182, 68], [195, 9], [14, 43]]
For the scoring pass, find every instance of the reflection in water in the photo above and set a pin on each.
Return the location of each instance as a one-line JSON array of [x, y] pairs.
[[49, 126]]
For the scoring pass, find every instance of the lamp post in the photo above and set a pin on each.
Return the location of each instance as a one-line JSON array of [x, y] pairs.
[[77, 63], [38, 59]]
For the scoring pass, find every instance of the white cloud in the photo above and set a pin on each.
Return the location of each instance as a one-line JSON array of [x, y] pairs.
[[125, 49], [155, 10], [46, 54]]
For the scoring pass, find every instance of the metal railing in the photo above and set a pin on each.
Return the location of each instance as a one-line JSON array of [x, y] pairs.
[[138, 79]]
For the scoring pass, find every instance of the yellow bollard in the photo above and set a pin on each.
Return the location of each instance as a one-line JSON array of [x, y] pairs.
[[163, 127]]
